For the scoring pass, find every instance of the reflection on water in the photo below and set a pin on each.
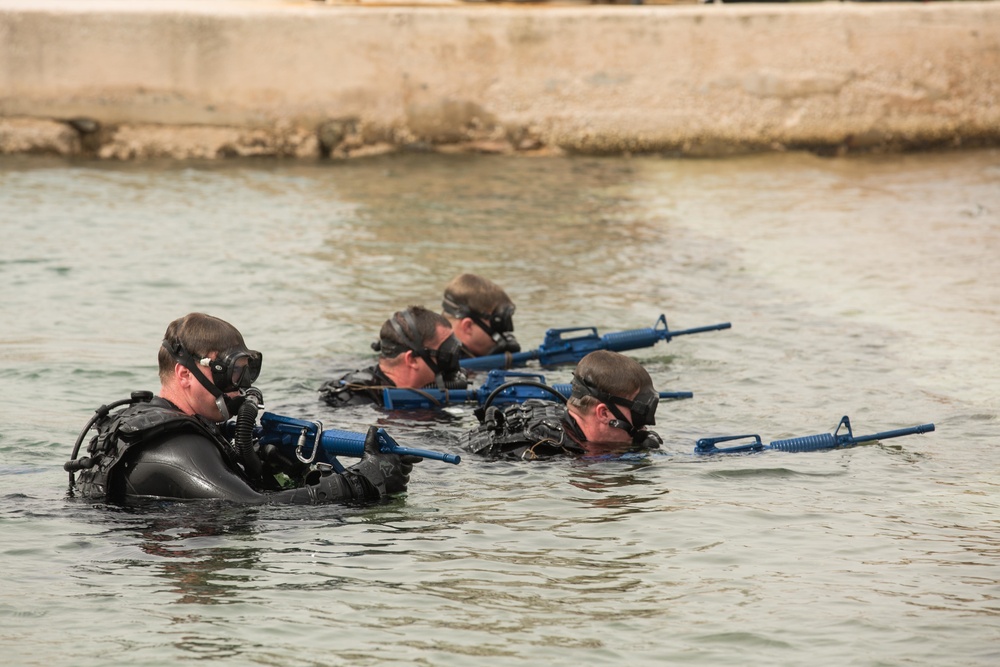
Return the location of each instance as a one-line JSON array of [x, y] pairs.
[[179, 542], [865, 286]]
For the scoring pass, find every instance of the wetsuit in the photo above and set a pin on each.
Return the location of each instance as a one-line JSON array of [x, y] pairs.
[[534, 429], [153, 451], [361, 387]]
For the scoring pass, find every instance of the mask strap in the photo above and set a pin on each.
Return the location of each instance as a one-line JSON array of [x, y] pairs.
[[483, 321], [453, 308], [415, 347], [612, 402], [490, 331], [184, 358], [620, 422]]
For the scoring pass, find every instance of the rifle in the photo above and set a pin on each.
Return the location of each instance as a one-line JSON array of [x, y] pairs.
[[808, 443], [558, 350], [286, 440], [498, 389]]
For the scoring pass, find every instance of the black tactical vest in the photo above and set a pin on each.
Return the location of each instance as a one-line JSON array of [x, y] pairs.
[[528, 431], [361, 387], [134, 426]]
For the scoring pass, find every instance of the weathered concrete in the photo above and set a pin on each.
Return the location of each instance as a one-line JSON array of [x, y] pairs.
[[265, 77]]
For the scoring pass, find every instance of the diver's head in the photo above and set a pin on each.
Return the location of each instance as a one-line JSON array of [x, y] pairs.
[[205, 366], [417, 347], [481, 314], [618, 387]]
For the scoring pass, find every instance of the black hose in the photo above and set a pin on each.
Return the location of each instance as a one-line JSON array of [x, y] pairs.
[[73, 464], [460, 381], [530, 383], [246, 419]]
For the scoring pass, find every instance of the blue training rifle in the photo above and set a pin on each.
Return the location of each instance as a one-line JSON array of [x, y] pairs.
[[308, 442], [808, 443], [556, 349], [500, 388]]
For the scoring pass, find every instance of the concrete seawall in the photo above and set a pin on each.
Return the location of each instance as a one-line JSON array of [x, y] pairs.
[[215, 78]]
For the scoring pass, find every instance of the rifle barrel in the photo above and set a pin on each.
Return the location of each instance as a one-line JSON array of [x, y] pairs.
[[897, 433], [710, 327], [508, 360], [676, 395], [349, 443]]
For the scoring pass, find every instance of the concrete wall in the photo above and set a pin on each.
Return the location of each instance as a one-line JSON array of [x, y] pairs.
[[216, 78]]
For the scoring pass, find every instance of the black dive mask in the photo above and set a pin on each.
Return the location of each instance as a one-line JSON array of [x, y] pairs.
[[501, 320], [444, 361], [229, 373], [504, 342], [501, 329], [498, 325], [446, 358], [643, 406]]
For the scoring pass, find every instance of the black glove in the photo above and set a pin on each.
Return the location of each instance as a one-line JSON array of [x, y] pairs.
[[379, 473]]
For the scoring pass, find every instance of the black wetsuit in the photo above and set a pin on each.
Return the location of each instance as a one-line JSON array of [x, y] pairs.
[[532, 430], [153, 451], [361, 387]]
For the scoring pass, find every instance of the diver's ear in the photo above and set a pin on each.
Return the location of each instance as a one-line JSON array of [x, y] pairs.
[[465, 325], [410, 359], [182, 375], [602, 413]]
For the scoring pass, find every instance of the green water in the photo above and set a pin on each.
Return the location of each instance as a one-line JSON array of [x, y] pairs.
[[864, 286]]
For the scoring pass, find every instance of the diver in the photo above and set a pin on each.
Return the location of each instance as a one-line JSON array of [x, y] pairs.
[[612, 403], [173, 446], [481, 314], [417, 348]]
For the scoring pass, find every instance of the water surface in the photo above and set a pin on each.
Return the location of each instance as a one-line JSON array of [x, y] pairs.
[[862, 286]]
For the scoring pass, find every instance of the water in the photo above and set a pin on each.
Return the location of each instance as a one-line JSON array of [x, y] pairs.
[[862, 286]]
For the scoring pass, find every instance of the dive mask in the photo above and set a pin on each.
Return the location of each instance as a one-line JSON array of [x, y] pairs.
[[230, 373], [446, 358], [444, 361], [236, 369], [643, 406], [501, 329], [498, 325], [501, 320]]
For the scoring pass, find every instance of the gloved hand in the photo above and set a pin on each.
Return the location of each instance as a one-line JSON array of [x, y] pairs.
[[380, 473]]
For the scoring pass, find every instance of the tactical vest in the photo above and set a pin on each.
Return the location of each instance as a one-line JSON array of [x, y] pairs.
[[131, 427], [356, 388], [528, 431]]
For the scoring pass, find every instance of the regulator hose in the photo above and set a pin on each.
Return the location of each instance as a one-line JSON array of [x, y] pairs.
[[88, 462], [246, 420], [528, 383]]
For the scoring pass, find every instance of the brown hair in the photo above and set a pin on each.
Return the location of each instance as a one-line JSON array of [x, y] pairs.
[[200, 335], [427, 323], [474, 292], [612, 373]]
